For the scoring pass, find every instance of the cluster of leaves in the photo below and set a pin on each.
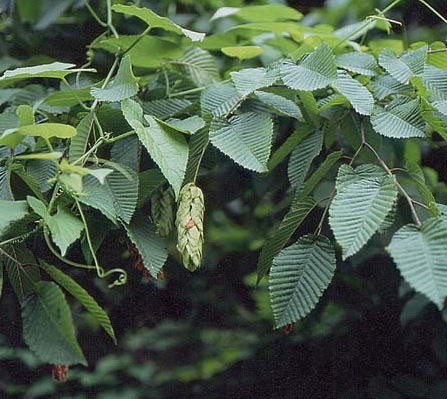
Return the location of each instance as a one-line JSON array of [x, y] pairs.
[[94, 156]]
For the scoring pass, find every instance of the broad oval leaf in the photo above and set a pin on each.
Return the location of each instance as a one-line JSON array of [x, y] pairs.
[[46, 130], [54, 70], [124, 85], [299, 276], [421, 257], [199, 65], [291, 221], [245, 138], [82, 296], [302, 157], [242, 52], [364, 198], [220, 98], [155, 21], [248, 80], [356, 62], [11, 211], [410, 63], [401, 119], [357, 94], [150, 245], [315, 70], [279, 104], [48, 327]]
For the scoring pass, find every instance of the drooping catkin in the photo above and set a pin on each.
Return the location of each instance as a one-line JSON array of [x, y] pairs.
[[189, 223], [162, 210]]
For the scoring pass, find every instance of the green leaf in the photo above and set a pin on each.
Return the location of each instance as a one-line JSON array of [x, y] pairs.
[[117, 197], [357, 94], [127, 152], [82, 296], [437, 56], [124, 85], [155, 21], [166, 108], [242, 52], [48, 327], [260, 13], [279, 104], [25, 115], [409, 64], [302, 157], [149, 244], [46, 130], [65, 228], [57, 70], [299, 276], [149, 181], [22, 269], [245, 138], [316, 177], [219, 98], [187, 126], [199, 65], [69, 98], [167, 147], [11, 211], [401, 119], [302, 131], [291, 221], [435, 80], [416, 173], [315, 70], [42, 171], [160, 49], [79, 142], [361, 63], [420, 255], [385, 85], [197, 146], [248, 80], [1, 279], [364, 198]]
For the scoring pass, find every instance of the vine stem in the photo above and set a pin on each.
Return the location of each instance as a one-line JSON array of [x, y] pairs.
[[433, 11], [94, 15], [109, 19], [137, 40], [190, 91]]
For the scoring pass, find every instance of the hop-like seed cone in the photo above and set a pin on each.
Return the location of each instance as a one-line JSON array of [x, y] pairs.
[[189, 223], [162, 210]]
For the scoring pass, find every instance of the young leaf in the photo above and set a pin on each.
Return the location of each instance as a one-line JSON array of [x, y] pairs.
[[357, 94], [150, 245], [55, 70], [124, 85], [364, 198], [291, 221], [246, 138], [46, 130], [302, 157], [48, 327], [242, 52], [82, 296], [315, 70], [420, 255], [155, 21], [65, 228], [299, 276], [401, 119], [260, 13]]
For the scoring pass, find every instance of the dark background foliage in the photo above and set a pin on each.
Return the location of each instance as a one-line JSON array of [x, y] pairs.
[[210, 334]]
